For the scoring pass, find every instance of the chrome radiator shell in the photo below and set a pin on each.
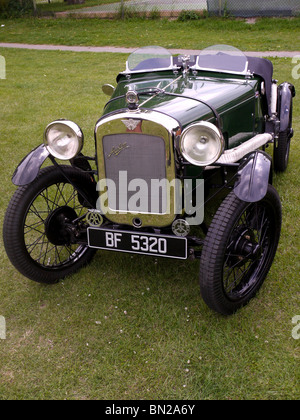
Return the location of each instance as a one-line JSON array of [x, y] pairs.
[[140, 143]]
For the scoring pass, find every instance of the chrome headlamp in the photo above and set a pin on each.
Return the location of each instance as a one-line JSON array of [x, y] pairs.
[[132, 99], [63, 139], [202, 143]]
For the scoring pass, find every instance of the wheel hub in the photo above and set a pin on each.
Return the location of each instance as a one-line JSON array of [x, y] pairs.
[[56, 225], [244, 247], [248, 249]]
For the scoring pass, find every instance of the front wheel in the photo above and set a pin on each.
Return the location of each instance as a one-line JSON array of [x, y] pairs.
[[36, 229], [282, 151], [238, 251], [283, 144]]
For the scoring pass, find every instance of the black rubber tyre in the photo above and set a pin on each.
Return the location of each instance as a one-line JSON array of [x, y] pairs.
[[35, 239], [282, 152], [239, 250], [283, 145]]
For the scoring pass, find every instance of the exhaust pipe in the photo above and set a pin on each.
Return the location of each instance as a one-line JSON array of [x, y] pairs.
[[237, 153]]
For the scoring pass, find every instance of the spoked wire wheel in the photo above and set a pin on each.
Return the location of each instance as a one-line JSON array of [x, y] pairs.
[[239, 250], [40, 225]]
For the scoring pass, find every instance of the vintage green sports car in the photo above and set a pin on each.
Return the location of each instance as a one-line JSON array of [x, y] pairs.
[[180, 171]]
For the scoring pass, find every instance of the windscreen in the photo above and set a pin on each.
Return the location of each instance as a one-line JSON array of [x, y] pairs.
[[223, 58], [149, 58]]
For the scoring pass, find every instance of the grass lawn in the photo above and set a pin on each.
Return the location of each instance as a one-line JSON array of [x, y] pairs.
[[132, 327], [265, 35]]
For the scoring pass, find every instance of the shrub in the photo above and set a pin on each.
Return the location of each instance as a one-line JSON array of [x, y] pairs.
[[15, 8], [189, 15], [154, 14]]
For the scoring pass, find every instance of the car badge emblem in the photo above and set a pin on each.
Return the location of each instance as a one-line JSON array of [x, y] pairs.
[[94, 218], [180, 227], [131, 124], [117, 150]]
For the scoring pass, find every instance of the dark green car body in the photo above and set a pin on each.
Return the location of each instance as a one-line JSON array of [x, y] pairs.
[[236, 99]]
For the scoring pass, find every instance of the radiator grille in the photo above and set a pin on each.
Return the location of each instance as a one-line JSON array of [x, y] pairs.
[[136, 165]]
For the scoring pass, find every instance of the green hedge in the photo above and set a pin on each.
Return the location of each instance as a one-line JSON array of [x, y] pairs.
[[15, 8]]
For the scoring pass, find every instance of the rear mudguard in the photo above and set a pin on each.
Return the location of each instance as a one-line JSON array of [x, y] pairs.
[[28, 169], [254, 176], [286, 91]]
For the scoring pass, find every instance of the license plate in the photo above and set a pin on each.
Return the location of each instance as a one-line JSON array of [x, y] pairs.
[[138, 243]]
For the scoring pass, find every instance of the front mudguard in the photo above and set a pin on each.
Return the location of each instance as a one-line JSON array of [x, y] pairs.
[[28, 169], [254, 176]]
